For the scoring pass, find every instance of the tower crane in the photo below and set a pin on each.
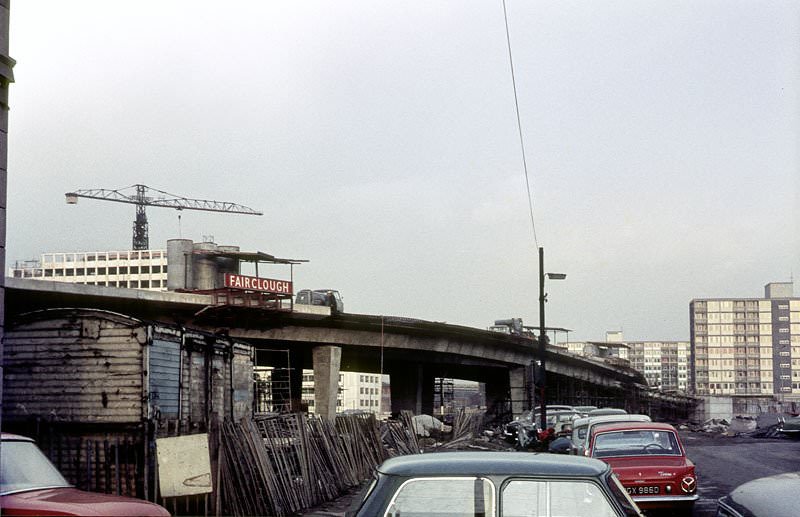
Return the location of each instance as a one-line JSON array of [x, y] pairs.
[[143, 196]]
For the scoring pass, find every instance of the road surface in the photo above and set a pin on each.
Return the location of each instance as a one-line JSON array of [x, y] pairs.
[[722, 463]]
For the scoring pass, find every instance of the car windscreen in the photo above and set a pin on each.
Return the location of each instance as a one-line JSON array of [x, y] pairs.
[[24, 467], [640, 442]]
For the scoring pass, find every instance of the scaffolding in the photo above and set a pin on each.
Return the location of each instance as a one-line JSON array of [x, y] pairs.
[[272, 389], [443, 396]]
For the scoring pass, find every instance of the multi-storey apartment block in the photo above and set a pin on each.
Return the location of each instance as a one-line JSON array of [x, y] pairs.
[[136, 269], [747, 346], [665, 364]]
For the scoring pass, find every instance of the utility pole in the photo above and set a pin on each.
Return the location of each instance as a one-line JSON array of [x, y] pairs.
[[542, 346], [6, 78], [543, 339]]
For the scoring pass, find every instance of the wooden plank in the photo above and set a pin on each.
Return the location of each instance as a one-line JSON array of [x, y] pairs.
[[45, 353], [77, 379], [46, 345], [72, 399], [85, 405], [76, 331], [53, 397]]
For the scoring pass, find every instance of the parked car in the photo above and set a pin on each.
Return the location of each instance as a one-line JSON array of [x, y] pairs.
[[466, 484], [789, 426], [511, 429], [582, 427], [584, 410], [327, 297], [607, 411], [771, 496], [556, 416], [650, 461], [561, 421], [31, 485]]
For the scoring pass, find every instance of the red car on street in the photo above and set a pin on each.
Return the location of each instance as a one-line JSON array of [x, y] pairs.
[[31, 485], [650, 462]]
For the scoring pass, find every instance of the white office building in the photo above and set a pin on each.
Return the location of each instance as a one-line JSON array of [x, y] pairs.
[[357, 391], [135, 269]]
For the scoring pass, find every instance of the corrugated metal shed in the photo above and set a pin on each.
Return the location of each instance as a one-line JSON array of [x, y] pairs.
[[74, 366], [95, 388], [94, 366], [165, 377]]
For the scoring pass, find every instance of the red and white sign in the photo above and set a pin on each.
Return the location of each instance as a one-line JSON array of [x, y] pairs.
[[253, 283]]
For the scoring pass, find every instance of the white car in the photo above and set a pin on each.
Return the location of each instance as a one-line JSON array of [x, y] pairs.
[[582, 428]]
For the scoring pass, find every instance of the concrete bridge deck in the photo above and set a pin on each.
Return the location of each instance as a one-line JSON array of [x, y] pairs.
[[413, 352]]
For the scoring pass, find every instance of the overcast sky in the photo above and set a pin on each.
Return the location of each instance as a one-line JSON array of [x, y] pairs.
[[380, 141]]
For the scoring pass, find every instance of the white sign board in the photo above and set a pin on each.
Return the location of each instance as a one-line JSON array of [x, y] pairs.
[[184, 467]]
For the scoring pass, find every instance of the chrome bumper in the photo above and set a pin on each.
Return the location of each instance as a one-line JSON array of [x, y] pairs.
[[666, 498]]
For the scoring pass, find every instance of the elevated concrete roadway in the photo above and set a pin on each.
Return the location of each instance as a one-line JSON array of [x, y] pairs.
[[413, 352]]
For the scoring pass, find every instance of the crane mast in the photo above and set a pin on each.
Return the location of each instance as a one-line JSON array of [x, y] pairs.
[[144, 196]]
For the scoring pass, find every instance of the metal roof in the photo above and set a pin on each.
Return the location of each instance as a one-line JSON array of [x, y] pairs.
[[249, 256]]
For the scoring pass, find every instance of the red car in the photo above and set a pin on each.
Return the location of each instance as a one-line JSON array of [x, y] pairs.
[[650, 462], [31, 485]]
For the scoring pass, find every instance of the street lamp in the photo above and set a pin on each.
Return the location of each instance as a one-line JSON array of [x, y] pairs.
[[543, 336]]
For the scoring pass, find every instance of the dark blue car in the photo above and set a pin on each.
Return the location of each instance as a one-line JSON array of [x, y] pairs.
[[495, 484]]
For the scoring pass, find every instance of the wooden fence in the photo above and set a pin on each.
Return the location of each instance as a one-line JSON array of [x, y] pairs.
[[272, 465], [282, 464]]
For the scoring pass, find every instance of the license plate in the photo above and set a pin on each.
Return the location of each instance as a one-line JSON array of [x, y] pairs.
[[642, 490]]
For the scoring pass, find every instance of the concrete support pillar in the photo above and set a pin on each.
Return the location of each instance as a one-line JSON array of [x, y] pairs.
[[327, 361], [425, 392], [497, 392], [412, 389], [517, 388]]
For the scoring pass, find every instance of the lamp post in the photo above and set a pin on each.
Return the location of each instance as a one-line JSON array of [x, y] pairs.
[[543, 337]]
